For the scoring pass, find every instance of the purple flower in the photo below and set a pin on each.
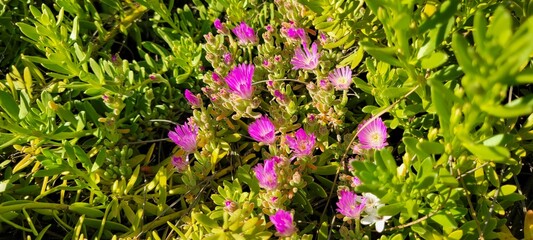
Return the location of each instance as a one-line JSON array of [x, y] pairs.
[[276, 159], [341, 78], [283, 222], [305, 59], [374, 135], [215, 77], [239, 80], [227, 58], [185, 136], [179, 163], [262, 130], [245, 33], [302, 144], [296, 33], [192, 99], [230, 205], [282, 97], [348, 204], [266, 174], [218, 24], [356, 181]]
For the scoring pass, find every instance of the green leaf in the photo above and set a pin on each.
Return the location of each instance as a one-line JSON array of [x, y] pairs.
[[501, 139], [492, 176], [445, 220], [97, 70], [384, 54], [28, 30], [442, 100], [99, 162], [303, 201], [204, 220], [389, 161], [411, 144], [395, 92], [327, 169], [82, 157], [431, 147], [391, 209], [500, 28], [354, 59], [323, 231], [434, 60], [507, 190], [495, 153], [426, 181], [315, 6], [9, 105], [460, 48], [518, 107], [315, 188]]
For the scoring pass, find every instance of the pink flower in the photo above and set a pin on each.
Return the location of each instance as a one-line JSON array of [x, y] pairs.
[[374, 135], [239, 80], [230, 205], [296, 33], [282, 97], [218, 24], [244, 33], [262, 130], [266, 174], [215, 77], [276, 159], [192, 99], [185, 136], [227, 58], [305, 59], [341, 78], [348, 204], [302, 144], [356, 181], [179, 163], [283, 222]]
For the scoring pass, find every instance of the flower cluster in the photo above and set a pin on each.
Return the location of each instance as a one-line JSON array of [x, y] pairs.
[[242, 72]]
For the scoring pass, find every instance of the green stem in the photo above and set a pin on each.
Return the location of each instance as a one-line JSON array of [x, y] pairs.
[[33, 205]]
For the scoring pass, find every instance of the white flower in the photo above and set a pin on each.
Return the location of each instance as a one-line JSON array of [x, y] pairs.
[[371, 209], [375, 219]]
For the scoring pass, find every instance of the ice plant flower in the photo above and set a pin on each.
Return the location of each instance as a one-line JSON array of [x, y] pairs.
[[266, 174], [239, 80], [374, 135], [283, 222], [185, 136], [371, 210], [263, 130], [227, 58], [218, 24], [244, 33], [180, 163], [192, 99], [296, 33], [341, 78], [305, 59], [348, 204], [356, 181], [230, 205], [302, 144]]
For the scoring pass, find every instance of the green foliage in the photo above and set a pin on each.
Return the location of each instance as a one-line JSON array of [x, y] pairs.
[[88, 92]]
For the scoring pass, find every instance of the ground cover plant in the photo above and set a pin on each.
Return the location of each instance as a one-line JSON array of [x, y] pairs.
[[293, 119]]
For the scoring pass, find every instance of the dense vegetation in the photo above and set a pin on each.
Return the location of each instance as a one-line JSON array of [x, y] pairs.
[[298, 119]]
